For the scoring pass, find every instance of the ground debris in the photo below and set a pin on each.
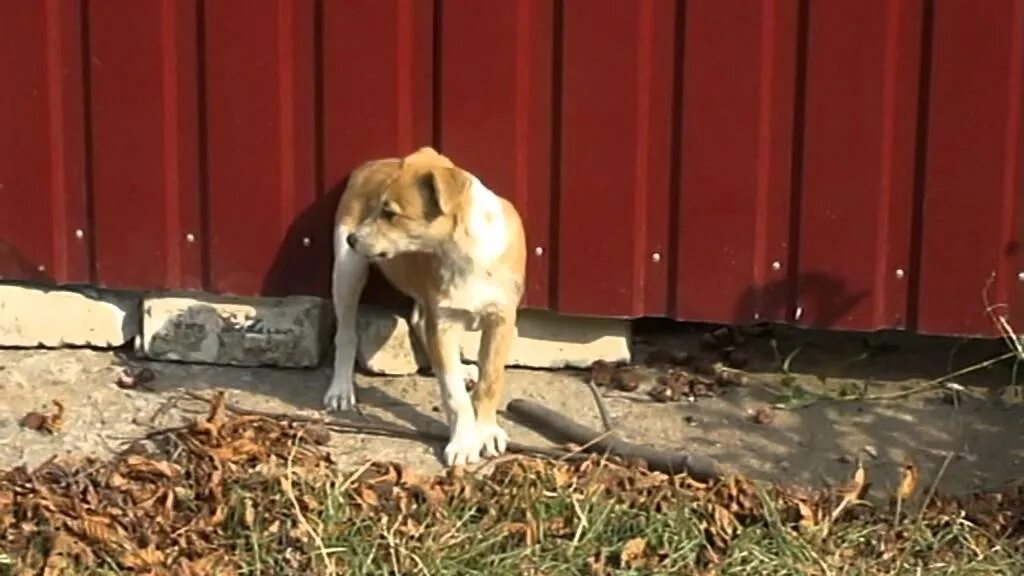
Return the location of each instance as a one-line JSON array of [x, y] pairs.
[[192, 500]]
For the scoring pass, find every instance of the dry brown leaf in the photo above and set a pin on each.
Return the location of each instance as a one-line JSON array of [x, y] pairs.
[[632, 553], [148, 557], [46, 423], [598, 565], [909, 476], [808, 519], [367, 496], [97, 529], [524, 529], [138, 464], [852, 490]]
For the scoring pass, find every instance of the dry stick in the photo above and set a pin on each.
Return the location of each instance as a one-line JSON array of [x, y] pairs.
[[602, 408], [290, 493], [933, 384], [549, 422], [379, 429]]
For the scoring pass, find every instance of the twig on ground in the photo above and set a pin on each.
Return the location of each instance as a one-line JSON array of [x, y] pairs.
[[937, 382], [289, 491], [602, 408], [934, 487], [562, 429]]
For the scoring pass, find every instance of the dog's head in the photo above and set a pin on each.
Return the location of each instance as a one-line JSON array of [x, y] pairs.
[[416, 210]]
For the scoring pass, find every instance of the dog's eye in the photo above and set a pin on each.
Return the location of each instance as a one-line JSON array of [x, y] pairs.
[[388, 214]]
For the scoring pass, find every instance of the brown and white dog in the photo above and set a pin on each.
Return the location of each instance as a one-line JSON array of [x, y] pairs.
[[439, 235]]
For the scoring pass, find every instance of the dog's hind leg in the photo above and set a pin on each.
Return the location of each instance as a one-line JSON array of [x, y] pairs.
[[347, 281]]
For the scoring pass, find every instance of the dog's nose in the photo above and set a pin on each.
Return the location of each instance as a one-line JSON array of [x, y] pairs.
[[351, 240]]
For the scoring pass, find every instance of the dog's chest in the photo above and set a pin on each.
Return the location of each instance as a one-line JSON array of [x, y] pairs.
[[476, 293]]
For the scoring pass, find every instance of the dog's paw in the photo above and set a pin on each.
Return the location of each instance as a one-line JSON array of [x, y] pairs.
[[464, 448], [493, 438], [340, 397]]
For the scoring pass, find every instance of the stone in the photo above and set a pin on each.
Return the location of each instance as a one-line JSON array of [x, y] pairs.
[[285, 332], [385, 344], [543, 340], [551, 340], [44, 316]]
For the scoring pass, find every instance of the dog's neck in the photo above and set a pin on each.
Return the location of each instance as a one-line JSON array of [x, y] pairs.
[[480, 238]]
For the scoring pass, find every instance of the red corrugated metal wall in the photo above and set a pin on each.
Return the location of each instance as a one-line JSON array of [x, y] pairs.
[[849, 164]]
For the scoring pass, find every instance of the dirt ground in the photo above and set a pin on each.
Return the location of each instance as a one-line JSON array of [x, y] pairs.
[[981, 429]]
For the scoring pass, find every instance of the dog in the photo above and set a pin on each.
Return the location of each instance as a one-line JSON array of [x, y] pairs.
[[442, 237]]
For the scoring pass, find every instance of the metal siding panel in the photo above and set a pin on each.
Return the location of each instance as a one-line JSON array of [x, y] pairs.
[[259, 89], [858, 178], [497, 124], [973, 176], [609, 154], [43, 191], [145, 161], [735, 186], [378, 87]]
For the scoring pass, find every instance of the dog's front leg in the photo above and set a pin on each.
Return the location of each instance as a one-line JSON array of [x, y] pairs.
[[442, 335], [495, 338], [348, 279]]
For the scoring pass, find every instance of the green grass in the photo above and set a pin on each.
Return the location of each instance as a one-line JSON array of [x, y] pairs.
[[245, 498]]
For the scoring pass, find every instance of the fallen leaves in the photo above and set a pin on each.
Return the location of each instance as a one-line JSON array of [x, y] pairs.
[[51, 423], [181, 504], [909, 477]]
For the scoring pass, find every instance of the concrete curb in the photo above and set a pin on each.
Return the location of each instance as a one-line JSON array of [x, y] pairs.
[[292, 332]]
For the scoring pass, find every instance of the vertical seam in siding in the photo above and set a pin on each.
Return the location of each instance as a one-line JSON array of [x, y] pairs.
[[764, 155], [171, 183], [58, 177], [1012, 156], [645, 27], [890, 56]]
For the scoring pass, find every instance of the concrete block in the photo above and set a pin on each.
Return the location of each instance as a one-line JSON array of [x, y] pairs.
[[32, 316], [386, 343], [286, 332], [543, 340], [550, 340]]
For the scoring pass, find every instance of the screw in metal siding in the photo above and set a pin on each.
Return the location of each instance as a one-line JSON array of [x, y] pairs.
[[190, 237], [776, 265], [539, 251], [655, 257], [306, 241], [41, 268], [1020, 276], [900, 273], [798, 313], [79, 233]]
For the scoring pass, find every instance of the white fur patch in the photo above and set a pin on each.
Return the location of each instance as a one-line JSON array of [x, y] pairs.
[[485, 223], [473, 284]]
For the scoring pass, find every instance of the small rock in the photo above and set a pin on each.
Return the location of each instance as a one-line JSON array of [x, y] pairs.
[[318, 434], [690, 420], [763, 416], [663, 393], [845, 459], [33, 421], [601, 372], [871, 451], [626, 380]]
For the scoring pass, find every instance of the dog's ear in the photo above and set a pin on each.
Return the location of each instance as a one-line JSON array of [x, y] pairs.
[[447, 187], [427, 155]]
